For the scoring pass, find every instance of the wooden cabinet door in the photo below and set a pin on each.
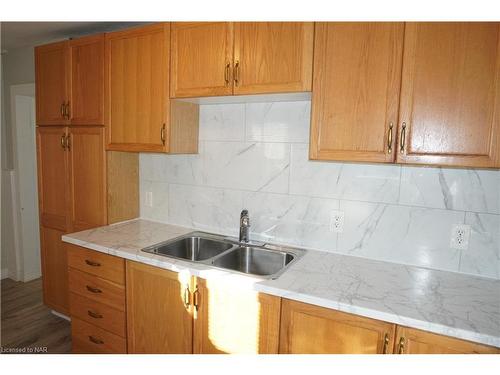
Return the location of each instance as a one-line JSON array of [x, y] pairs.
[[308, 329], [157, 319], [52, 64], [52, 162], [54, 270], [357, 72], [271, 57], [202, 57], [87, 177], [87, 80], [450, 94], [414, 341], [234, 320], [136, 88]]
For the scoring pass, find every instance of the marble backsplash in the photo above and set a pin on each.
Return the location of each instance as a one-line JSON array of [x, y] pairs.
[[255, 156]]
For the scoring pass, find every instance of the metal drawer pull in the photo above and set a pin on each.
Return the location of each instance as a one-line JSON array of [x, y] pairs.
[[63, 113], [91, 263], [196, 299], [237, 73], [386, 343], [403, 138], [187, 299], [227, 73], [93, 290], [63, 141], [68, 143], [94, 315], [389, 138], [401, 345], [96, 341], [162, 134]]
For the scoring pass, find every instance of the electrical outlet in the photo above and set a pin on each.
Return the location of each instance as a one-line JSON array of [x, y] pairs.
[[460, 237], [149, 198], [337, 221]]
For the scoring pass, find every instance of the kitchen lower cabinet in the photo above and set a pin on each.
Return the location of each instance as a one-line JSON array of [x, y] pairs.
[[414, 341], [230, 319], [309, 329], [159, 311], [54, 269]]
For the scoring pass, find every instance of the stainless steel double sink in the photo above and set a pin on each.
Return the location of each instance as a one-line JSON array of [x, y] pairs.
[[256, 259]]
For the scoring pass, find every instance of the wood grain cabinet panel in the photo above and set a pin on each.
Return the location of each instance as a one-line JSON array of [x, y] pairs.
[[53, 192], [52, 71], [136, 88], [272, 57], [158, 321], [87, 80], [414, 341], [232, 320], [357, 72], [90, 339], [450, 95], [201, 59], [105, 266], [87, 177], [97, 289], [308, 329], [54, 269]]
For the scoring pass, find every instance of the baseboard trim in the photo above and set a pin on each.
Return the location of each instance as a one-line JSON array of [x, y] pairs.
[[61, 315]]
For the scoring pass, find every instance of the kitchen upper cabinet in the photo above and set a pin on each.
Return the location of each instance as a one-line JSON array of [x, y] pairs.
[[450, 95], [70, 82], [414, 341], [201, 59], [159, 316], [308, 329], [53, 192], [136, 95], [54, 269], [357, 72], [87, 177], [87, 80], [230, 319], [52, 71], [272, 57]]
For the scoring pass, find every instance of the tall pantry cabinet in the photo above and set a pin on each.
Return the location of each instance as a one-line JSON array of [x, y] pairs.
[[71, 156]]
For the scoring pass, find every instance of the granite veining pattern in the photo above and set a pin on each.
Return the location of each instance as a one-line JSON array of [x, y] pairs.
[[462, 306]]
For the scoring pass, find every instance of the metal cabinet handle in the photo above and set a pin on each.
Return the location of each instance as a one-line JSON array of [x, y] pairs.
[[162, 134], [401, 345], [63, 141], [92, 263], [96, 341], [386, 343], [93, 290], [237, 73], [403, 138], [187, 299], [227, 73], [63, 112], [94, 314], [68, 142], [67, 110], [196, 299], [389, 138]]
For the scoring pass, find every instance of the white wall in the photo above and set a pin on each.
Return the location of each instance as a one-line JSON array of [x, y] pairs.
[[255, 156]]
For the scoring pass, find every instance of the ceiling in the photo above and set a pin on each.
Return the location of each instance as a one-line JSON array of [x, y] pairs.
[[28, 34]]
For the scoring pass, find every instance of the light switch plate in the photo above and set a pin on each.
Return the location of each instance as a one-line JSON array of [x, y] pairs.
[[460, 237]]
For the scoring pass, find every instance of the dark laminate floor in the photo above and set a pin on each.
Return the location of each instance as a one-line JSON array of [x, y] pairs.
[[27, 322]]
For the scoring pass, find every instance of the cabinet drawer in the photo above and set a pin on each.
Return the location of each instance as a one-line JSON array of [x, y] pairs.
[[96, 313], [105, 266], [97, 289], [88, 338]]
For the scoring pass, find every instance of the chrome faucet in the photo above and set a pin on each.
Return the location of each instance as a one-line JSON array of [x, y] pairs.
[[244, 226]]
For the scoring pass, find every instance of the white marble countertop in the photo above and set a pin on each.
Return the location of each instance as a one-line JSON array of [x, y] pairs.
[[447, 303]]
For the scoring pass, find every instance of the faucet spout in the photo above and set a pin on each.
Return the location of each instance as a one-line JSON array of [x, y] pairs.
[[244, 226]]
